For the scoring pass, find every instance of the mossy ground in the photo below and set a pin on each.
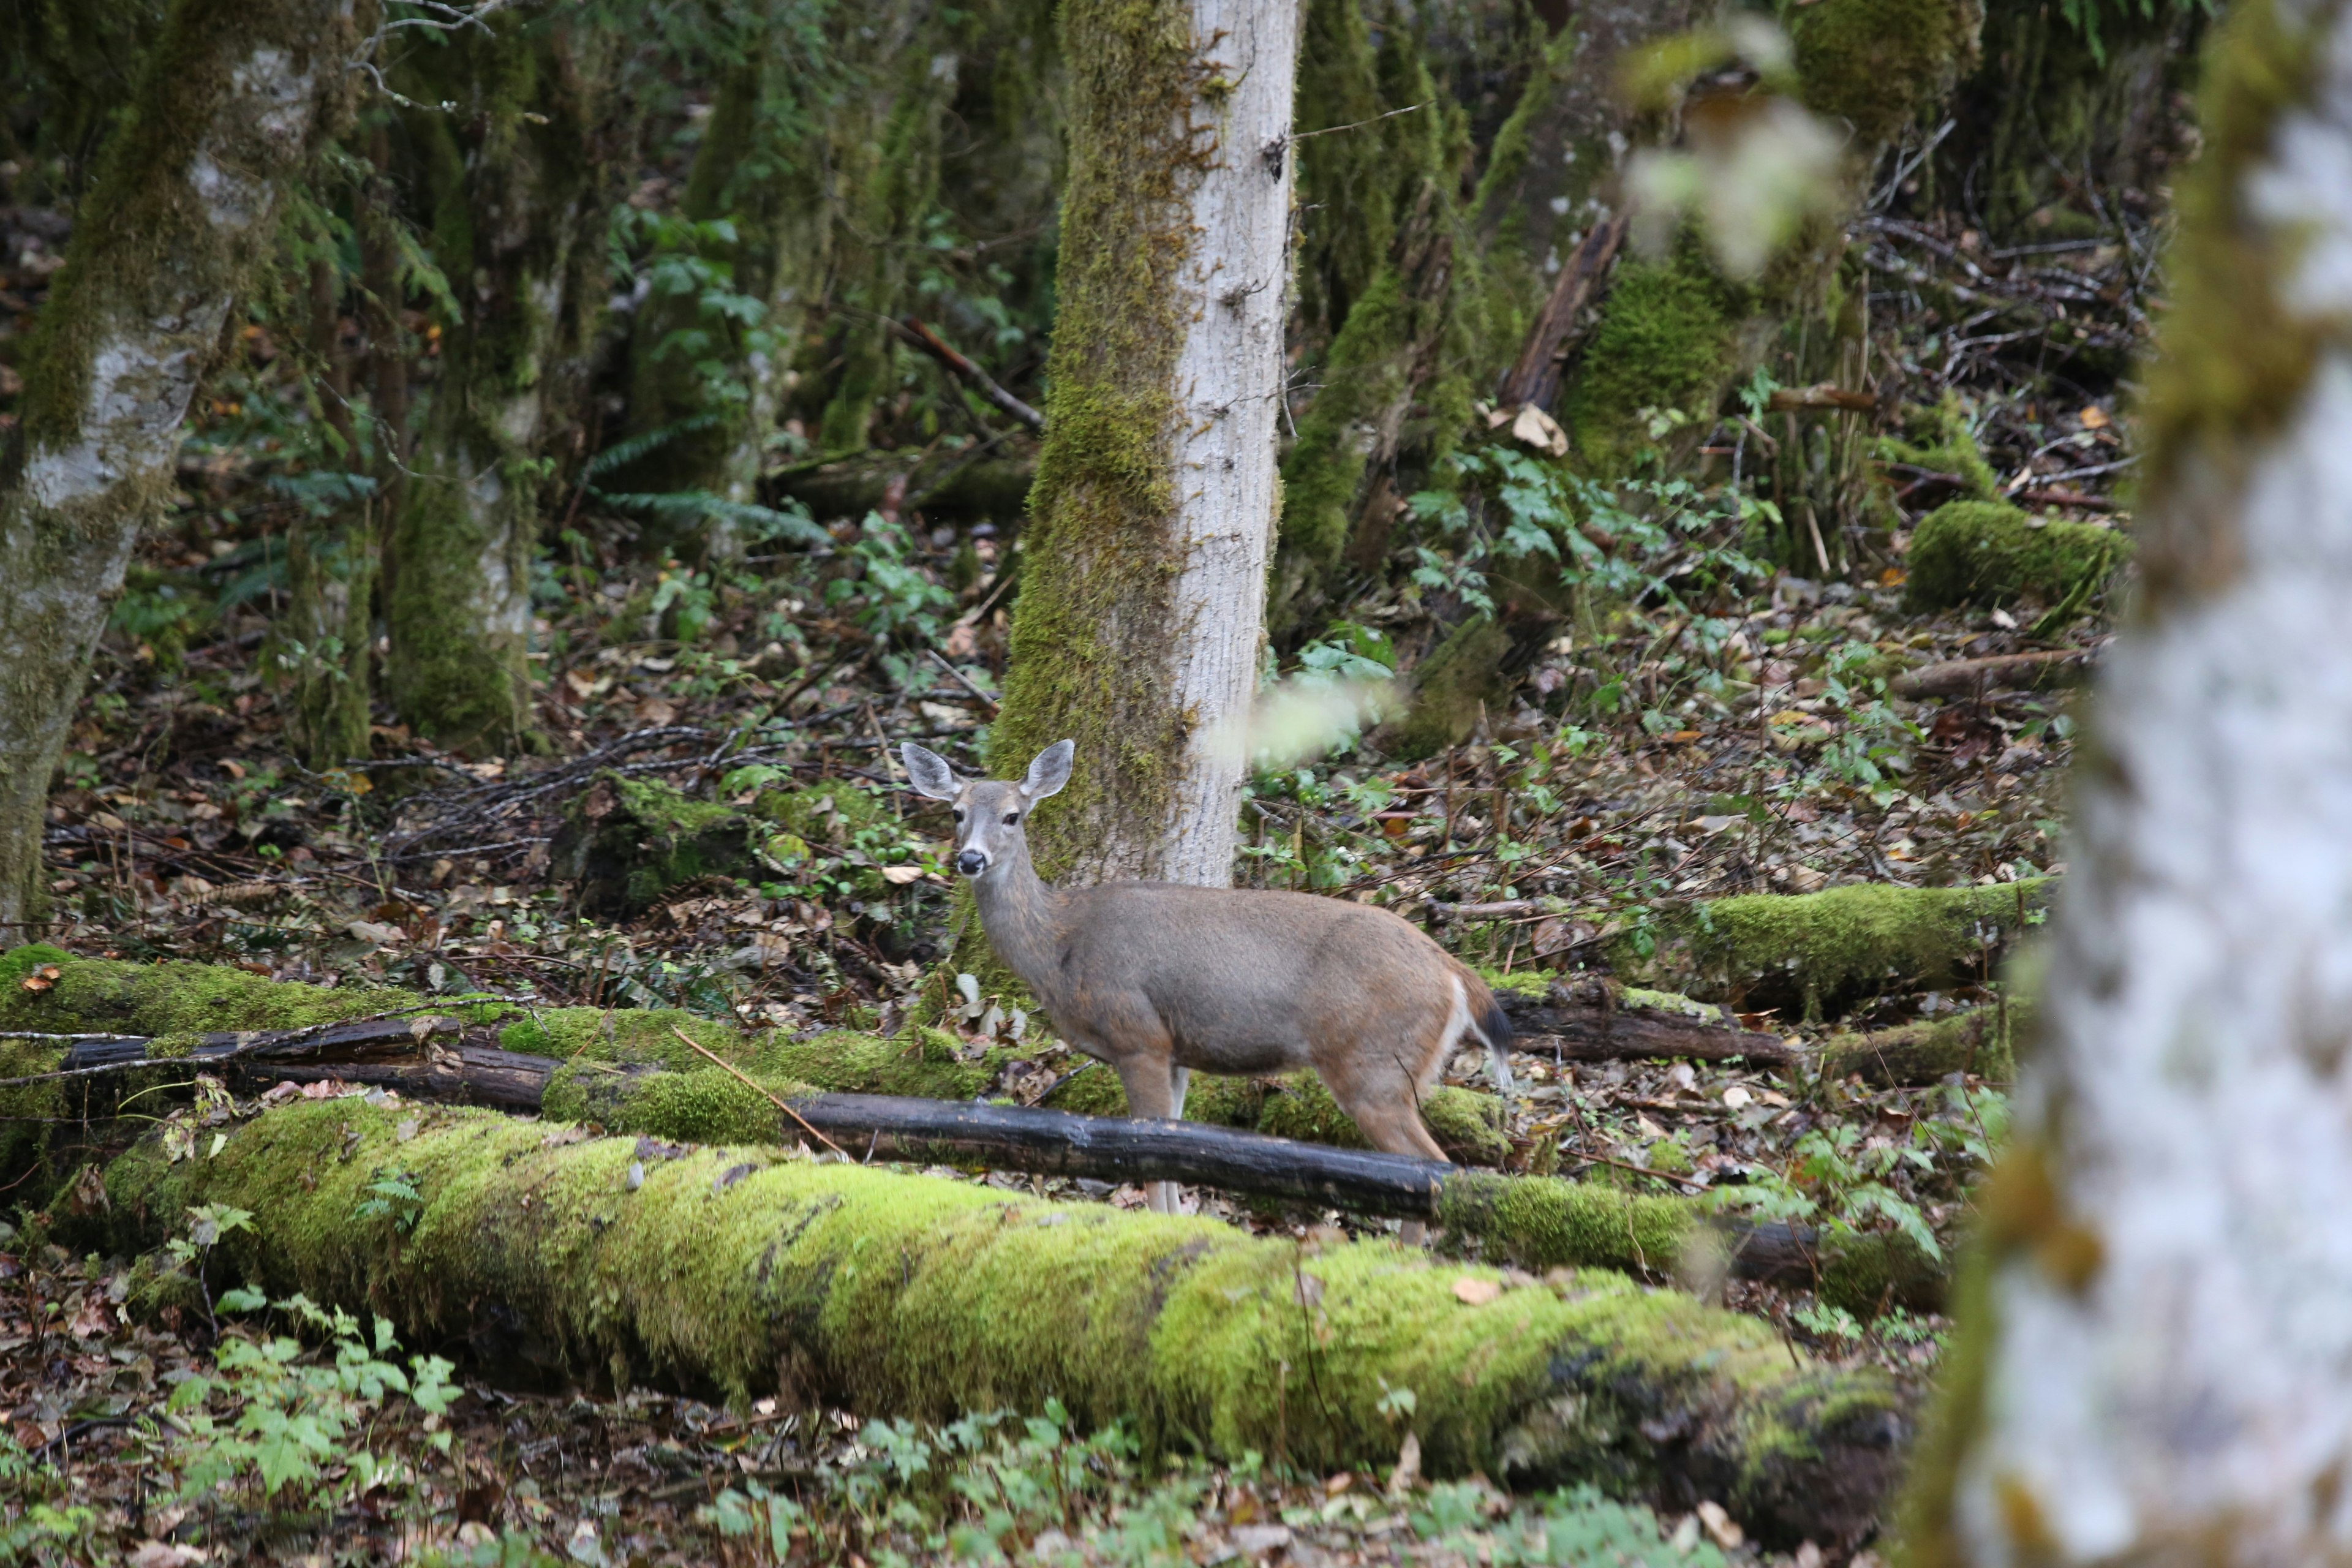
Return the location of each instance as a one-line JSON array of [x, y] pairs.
[[629, 840], [749, 1273]]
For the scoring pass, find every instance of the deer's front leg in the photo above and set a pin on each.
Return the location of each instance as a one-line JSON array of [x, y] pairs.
[[1154, 1088]]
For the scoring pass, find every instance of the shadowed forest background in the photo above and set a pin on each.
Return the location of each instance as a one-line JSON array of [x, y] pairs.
[[566, 448]]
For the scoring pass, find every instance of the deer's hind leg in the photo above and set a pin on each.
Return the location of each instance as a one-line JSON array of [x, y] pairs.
[[1385, 1098]]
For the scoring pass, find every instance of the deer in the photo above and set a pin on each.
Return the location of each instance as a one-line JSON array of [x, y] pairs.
[[1157, 979]]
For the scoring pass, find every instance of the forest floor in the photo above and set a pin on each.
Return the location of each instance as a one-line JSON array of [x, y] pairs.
[[1675, 748]]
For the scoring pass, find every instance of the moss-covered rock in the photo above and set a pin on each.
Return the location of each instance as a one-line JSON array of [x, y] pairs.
[[627, 841], [1451, 687], [1989, 553], [749, 1273], [819, 814], [1820, 953]]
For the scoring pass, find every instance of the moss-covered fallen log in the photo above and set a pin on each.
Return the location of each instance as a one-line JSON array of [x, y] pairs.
[[750, 1272], [176, 1004], [1978, 1042], [1815, 954], [1989, 552]]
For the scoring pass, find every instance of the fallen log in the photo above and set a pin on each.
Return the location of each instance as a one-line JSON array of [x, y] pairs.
[[1813, 955], [1530, 1222], [1978, 1042], [750, 1272], [1601, 1024], [2004, 673]]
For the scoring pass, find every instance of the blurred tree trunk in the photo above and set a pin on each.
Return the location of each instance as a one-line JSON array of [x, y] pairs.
[[711, 387], [516, 185], [322, 639], [2154, 1361], [1144, 566], [187, 196]]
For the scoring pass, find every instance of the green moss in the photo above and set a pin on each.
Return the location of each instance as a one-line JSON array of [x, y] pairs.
[[1978, 1042], [1942, 440], [822, 814], [705, 1105], [1451, 687], [1668, 338], [1821, 952], [894, 1294], [627, 841], [1102, 556], [1985, 553], [106, 996], [1877, 64]]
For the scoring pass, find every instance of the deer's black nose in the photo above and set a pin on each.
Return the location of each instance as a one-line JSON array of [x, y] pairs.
[[971, 862]]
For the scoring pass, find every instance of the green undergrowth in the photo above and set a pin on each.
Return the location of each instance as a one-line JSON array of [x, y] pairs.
[[1989, 553], [1815, 954], [752, 1272], [627, 841]]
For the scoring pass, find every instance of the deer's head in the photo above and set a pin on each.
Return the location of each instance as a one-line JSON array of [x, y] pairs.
[[992, 817]]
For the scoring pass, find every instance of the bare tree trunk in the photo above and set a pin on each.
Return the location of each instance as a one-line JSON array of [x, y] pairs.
[[1144, 574], [2156, 1361], [186, 197]]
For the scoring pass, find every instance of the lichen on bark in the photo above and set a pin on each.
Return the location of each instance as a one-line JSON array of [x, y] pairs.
[[229, 105]]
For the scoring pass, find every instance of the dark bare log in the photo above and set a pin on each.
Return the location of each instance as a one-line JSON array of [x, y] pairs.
[[1603, 1031], [1535, 377], [2009, 671]]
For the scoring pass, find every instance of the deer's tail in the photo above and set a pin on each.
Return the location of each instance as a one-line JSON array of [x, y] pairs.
[[1490, 1023]]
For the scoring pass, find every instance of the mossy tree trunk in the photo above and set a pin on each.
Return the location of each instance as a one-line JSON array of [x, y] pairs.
[[231, 101], [519, 228], [1144, 569], [2152, 1360], [1389, 273]]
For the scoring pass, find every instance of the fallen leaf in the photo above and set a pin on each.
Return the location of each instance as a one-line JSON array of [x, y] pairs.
[[1473, 1291], [1407, 1474], [1260, 1539], [373, 931], [899, 876], [1720, 1526], [163, 1555], [1533, 428], [93, 1321], [1310, 1289], [1735, 1097], [2093, 417]]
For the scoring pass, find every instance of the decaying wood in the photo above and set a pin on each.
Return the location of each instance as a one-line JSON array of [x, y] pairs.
[[2009, 671], [1600, 1030], [1535, 377]]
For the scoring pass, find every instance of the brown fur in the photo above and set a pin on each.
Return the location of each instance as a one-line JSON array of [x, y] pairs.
[[1157, 979]]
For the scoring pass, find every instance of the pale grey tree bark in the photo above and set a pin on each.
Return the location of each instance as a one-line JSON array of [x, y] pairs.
[[2156, 1364], [235, 97]]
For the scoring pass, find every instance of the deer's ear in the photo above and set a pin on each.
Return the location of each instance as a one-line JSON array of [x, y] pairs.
[[928, 772], [1050, 772]]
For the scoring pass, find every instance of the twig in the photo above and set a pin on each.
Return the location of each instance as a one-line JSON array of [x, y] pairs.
[[773, 1099], [984, 384], [1358, 125], [965, 680]]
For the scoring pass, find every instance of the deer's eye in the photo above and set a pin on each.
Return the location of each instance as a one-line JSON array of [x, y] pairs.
[[958, 814], [1010, 818]]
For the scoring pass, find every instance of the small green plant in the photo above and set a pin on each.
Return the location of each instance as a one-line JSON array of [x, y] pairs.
[[393, 1194]]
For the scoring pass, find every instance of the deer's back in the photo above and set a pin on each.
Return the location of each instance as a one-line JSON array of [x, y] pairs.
[[1247, 980]]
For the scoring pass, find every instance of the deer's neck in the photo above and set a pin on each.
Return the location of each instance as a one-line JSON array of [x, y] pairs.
[[1022, 916]]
